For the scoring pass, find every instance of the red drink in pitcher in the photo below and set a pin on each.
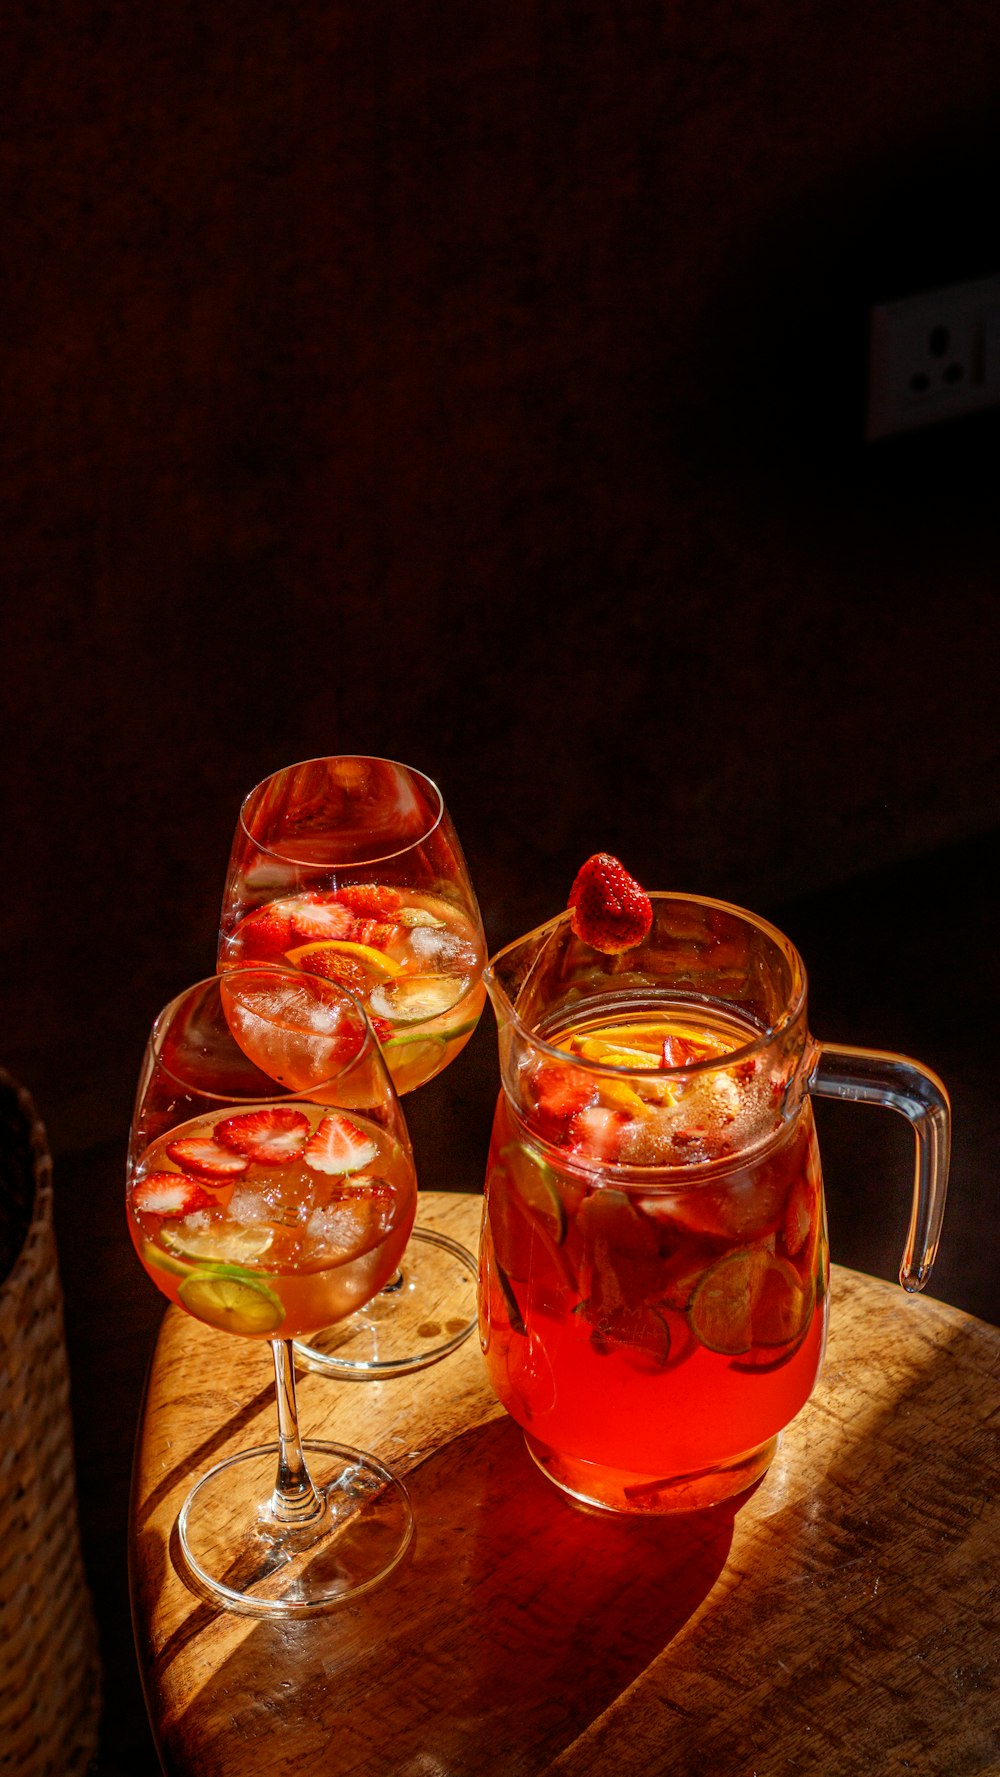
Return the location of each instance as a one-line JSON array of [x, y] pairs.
[[654, 1262]]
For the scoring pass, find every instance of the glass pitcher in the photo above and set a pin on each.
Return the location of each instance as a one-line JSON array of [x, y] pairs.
[[654, 1266]]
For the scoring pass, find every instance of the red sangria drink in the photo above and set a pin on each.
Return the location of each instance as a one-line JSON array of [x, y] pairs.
[[654, 1299], [654, 1262]]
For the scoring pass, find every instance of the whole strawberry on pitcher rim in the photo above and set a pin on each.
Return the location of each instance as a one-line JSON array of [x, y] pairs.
[[654, 1265]]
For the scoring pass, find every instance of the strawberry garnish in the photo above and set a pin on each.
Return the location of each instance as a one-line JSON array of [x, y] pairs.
[[274, 1137], [371, 900], [339, 1146], [268, 932], [206, 1158], [320, 916], [168, 1194], [611, 912], [381, 1027]]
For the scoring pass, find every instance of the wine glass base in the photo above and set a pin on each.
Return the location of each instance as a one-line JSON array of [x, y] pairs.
[[602, 1489], [241, 1559], [411, 1324]]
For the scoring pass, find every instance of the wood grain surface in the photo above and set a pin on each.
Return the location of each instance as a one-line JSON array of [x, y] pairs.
[[845, 1619]]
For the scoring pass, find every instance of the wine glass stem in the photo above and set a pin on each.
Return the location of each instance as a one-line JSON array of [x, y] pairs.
[[295, 1500]]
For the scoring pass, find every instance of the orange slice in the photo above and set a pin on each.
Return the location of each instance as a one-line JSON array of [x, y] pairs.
[[364, 953]]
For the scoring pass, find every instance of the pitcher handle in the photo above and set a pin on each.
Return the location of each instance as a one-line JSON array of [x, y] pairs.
[[869, 1076]]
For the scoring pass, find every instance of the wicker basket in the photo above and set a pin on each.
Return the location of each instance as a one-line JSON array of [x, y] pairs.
[[49, 1671]]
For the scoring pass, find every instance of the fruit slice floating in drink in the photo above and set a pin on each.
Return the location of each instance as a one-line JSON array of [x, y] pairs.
[[309, 1226]]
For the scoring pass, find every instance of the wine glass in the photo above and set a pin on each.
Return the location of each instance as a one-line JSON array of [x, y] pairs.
[[349, 868], [270, 1213]]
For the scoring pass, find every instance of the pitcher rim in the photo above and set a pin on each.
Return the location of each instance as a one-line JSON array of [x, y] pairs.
[[711, 1064]]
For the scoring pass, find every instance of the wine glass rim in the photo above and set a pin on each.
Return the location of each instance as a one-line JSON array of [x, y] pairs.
[[412, 771], [281, 1094]]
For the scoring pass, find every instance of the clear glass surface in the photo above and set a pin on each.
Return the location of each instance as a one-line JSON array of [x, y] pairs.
[[269, 1212], [349, 868]]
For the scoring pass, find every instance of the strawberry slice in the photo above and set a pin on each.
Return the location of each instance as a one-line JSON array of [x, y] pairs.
[[679, 1051], [273, 1136], [371, 900], [339, 1146], [611, 912], [596, 1132], [168, 1194], [376, 932], [206, 1158], [268, 932], [320, 916], [562, 1091]]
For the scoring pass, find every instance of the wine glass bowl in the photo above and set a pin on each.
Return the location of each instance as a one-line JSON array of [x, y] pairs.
[[348, 870], [271, 1211]]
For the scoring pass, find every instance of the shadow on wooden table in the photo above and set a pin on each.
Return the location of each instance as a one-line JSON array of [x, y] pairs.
[[515, 1622]]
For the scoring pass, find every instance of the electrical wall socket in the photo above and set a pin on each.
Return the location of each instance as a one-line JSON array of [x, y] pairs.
[[933, 357]]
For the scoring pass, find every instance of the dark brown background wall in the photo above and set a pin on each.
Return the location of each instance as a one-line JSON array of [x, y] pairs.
[[483, 386]]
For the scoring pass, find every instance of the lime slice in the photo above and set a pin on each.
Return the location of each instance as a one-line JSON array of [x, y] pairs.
[[163, 1261], [781, 1307], [233, 1304], [721, 1309], [536, 1187], [641, 1335], [680, 1277], [363, 953], [412, 999], [223, 1243]]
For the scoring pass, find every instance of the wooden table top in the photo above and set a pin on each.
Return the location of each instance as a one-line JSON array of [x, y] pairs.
[[845, 1620]]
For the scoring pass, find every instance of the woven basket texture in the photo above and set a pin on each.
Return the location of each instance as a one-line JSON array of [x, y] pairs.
[[49, 1670]]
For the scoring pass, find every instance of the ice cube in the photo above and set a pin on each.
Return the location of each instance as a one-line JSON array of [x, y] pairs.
[[338, 1229], [248, 1207]]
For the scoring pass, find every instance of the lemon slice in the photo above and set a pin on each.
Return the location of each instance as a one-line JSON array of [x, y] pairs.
[[363, 953], [223, 1244], [611, 1054], [233, 1304]]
